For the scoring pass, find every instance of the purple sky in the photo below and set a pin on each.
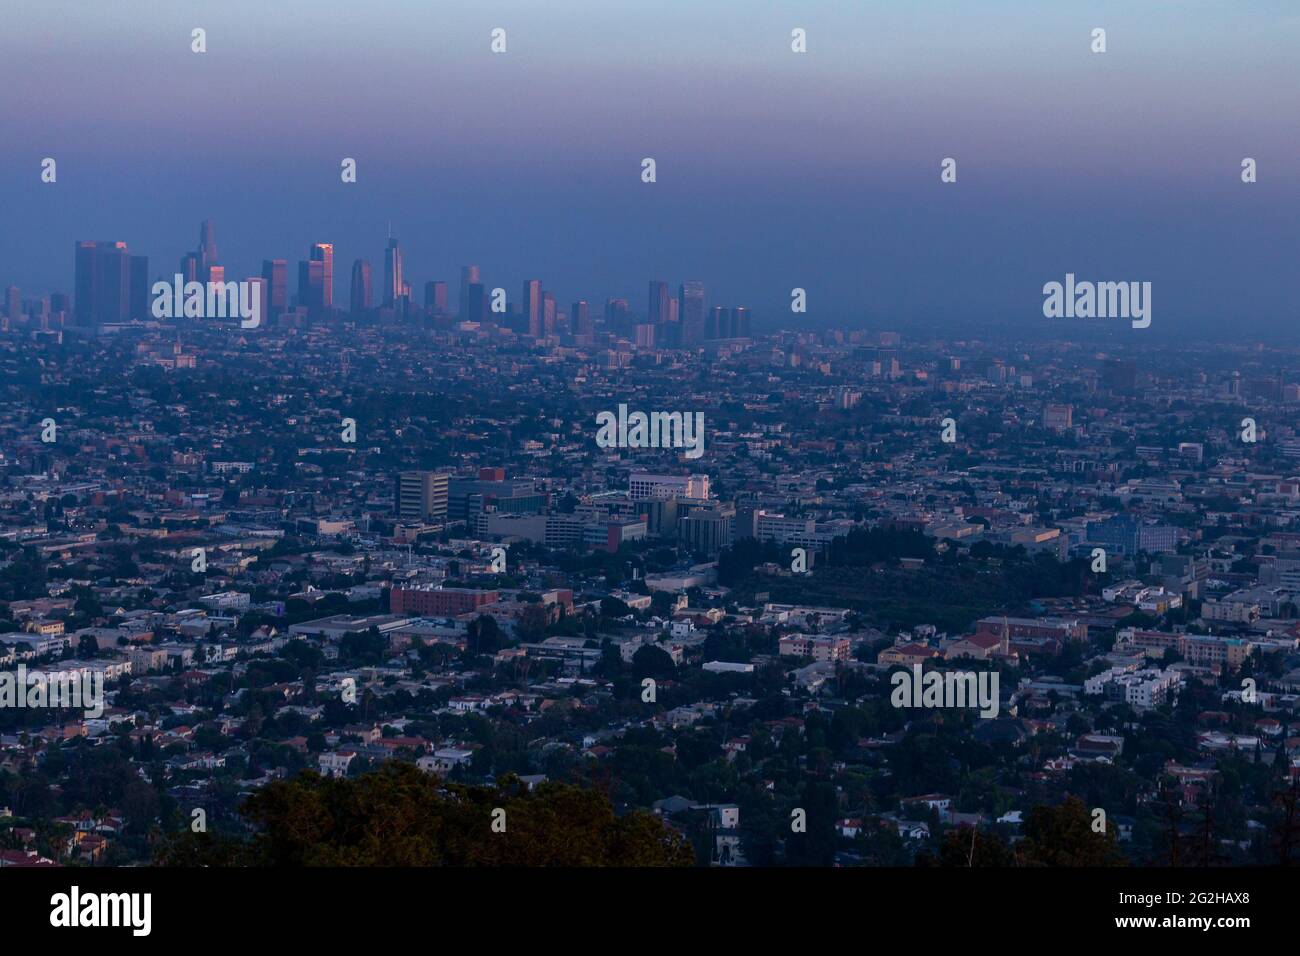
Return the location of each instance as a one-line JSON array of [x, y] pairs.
[[775, 169]]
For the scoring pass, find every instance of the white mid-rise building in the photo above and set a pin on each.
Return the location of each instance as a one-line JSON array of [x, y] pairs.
[[1142, 689], [643, 486]]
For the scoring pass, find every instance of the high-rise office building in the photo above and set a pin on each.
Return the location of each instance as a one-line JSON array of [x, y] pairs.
[[421, 496], [690, 310], [740, 322], [323, 252], [475, 303], [276, 274], [657, 313], [491, 491], [435, 297], [580, 318], [548, 314], [616, 313], [139, 302], [718, 323], [672, 328], [1128, 534], [103, 283], [393, 281], [709, 529], [13, 303], [468, 276], [311, 286], [531, 305], [728, 323], [360, 299], [207, 253]]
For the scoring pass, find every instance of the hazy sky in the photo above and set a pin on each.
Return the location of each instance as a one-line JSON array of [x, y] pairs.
[[775, 169]]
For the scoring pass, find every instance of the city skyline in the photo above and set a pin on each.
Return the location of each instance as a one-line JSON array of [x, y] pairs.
[[690, 306], [116, 287], [774, 169]]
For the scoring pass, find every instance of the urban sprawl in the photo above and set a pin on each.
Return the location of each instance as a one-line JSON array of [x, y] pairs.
[[388, 533]]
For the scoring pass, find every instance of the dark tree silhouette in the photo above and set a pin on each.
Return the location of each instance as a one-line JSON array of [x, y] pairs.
[[401, 816]]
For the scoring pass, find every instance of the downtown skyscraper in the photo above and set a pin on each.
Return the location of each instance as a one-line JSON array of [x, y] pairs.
[[469, 275], [580, 319], [690, 311], [102, 283], [323, 252], [207, 252], [435, 296], [531, 306], [657, 307], [548, 314], [394, 284], [275, 275], [361, 297]]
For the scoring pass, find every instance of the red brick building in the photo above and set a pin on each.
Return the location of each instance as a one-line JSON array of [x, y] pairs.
[[438, 602]]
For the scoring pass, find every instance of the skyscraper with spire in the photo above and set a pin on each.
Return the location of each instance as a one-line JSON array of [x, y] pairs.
[[207, 253], [393, 282]]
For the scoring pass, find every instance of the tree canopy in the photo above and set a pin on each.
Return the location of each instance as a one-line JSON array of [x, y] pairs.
[[400, 816]]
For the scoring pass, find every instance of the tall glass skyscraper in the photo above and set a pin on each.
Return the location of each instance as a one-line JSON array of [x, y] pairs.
[[531, 305], [103, 283], [207, 253], [657, 312], [393, 282], [690, 310], [435, 297], [323, 252], [276, 274], [361, 286], [468, 276]]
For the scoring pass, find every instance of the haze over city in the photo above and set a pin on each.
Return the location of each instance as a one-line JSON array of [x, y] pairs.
[[853, 441], [774, 171]]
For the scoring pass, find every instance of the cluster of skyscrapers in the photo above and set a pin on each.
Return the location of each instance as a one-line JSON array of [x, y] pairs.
[[112, 288]]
